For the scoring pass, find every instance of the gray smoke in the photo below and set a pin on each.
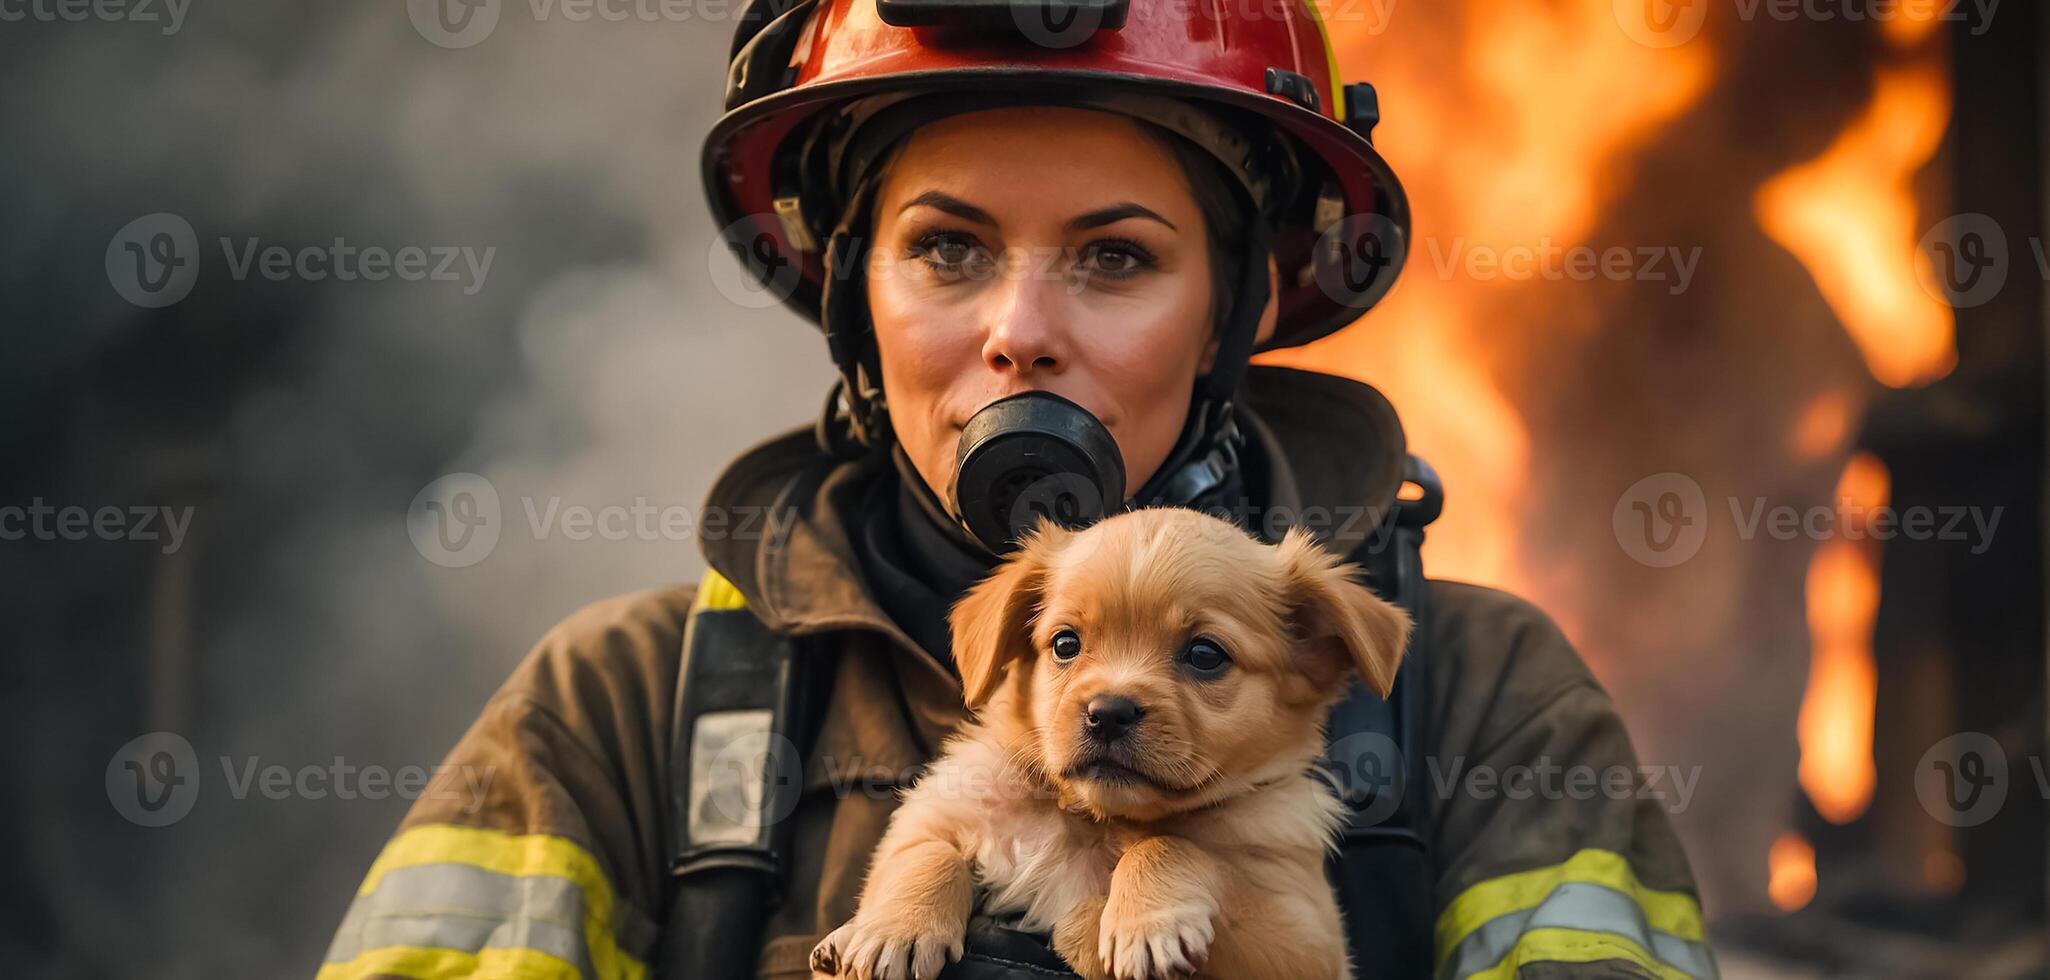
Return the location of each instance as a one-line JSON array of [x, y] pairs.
[[593, 366]]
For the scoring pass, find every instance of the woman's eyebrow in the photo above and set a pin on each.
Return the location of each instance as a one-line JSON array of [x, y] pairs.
[[941, 201], [1116, 213], [951, 205]]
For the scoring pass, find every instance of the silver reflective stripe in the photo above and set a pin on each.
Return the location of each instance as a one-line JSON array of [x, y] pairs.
[[1581, 906], [458, 906]]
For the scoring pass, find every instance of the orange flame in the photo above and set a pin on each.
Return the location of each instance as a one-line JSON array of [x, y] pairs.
[[1492, 161], [1835, 726], [1791, 872], [1822, 426], [1849, 216]]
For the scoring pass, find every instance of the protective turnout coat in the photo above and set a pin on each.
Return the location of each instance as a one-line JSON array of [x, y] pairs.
[[564, 870]]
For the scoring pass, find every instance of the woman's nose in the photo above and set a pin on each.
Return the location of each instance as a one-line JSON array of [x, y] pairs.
[[1026, 328]]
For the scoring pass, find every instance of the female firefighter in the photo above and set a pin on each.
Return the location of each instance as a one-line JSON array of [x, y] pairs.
[[1042, 238]]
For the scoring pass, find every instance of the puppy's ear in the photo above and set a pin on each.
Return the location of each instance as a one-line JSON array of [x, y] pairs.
[[990, 623], [1342, 623]]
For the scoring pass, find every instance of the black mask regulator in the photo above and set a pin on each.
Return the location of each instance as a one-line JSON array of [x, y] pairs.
[[1034, 455]]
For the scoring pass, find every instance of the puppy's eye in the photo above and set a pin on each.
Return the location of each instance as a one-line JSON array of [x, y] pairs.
[[1205, 658], [1066, 646]]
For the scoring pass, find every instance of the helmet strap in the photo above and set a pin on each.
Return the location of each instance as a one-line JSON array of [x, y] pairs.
[[1208, 450], [850, 339]]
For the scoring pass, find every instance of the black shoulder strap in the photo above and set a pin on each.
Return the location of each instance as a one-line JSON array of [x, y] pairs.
[[1382, 870], [734, 776]]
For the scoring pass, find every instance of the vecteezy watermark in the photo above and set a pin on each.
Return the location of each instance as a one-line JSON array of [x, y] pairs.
[[1551, 261], [1365, 770], [1663, 519], [1546, 779], [1670, 23], [41, 521], [459, 24], [456, 521], [465, 23], [1355, 260], [154, 780], [1964, 780], [154, 260], [169, 13], [1968, 259], [1061, 26]]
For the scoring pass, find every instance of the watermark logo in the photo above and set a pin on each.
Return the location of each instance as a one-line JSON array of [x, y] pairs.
[[1962, 780], [1057, 26], [1662, 519], [765, 277], [170, 13], [1354, 261], [1368, 773], [1551, 261], [1544, 778], [43, 521], [454, 522], [1661, 23], [154, 779], [1671, 23], [454, 24], [1968, 260], [459, 519], [154, 260], [747, 784]]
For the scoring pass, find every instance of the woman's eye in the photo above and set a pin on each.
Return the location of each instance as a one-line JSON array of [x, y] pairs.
[[1205, 657], [1066, 646], [1117, 259], [946, 251]]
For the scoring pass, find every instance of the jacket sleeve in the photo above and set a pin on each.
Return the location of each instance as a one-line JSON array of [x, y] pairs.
[[1554, 851], [536, 851]]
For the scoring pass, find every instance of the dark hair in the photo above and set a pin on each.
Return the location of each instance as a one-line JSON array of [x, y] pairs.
[[1227, 210]]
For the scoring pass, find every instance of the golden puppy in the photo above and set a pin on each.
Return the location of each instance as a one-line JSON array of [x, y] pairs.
[[1150, 696]]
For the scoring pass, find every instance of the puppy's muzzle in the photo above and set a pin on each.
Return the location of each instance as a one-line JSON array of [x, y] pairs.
[[1109, 717]]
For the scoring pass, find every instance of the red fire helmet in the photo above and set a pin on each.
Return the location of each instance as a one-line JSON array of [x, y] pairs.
[[1339, 237]]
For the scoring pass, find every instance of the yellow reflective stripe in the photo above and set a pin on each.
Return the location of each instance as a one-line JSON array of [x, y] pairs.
[[1676, 913], [519, 855], [429, 963], [1574, 946], [716, 593], [1330, 60]]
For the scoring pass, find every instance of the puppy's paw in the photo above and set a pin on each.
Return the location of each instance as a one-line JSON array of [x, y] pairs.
[[886, 948], [1155, 944]]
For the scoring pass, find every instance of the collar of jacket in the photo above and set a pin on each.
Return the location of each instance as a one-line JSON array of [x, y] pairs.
[[1335, 450]]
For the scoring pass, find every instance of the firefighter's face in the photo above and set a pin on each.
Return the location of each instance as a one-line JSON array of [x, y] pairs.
[[1039, 248]]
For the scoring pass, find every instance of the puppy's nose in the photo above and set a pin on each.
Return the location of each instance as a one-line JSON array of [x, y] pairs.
[[1111, 715]]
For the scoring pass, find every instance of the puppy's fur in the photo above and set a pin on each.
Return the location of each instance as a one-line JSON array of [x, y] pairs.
[[1193, 843]]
